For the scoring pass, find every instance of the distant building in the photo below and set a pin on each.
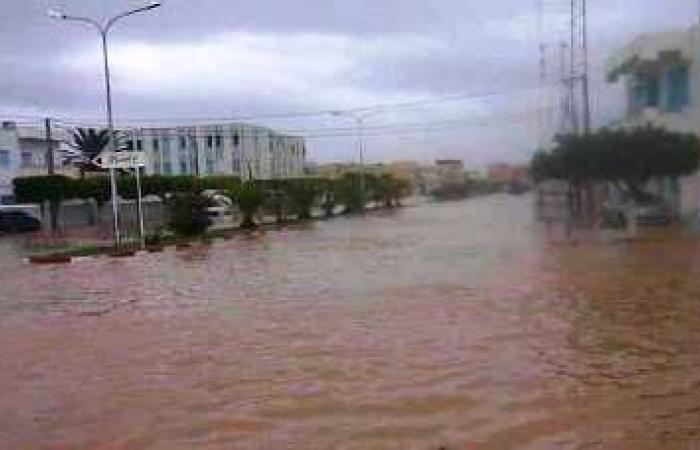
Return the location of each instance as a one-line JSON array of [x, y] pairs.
[[23, 152], [661, 77], [509, 174], [337, 170], [499, 172], [204, 150], [226, 149], [450, 171]]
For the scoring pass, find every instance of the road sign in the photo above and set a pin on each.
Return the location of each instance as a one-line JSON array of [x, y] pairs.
[[121, 160]]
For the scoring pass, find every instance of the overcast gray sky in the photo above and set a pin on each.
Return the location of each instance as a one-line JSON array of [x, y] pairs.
[[215, 59]]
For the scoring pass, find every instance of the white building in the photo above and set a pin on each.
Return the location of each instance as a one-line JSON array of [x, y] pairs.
[[227, 149], [23, 152], [661, 77]]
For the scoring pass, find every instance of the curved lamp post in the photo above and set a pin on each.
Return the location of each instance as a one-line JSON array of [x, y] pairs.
[[104, 31]]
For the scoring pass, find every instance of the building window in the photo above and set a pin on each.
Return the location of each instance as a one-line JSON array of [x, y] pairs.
[[218, 141], [26, 160], [183, 167], [210, 141], [645, 92], [678, 81], [4, 158], [219, 153], [236, 140], [236, 162], [156, 144], [183, 142], [139, 145], [167, 168], [129, 145]]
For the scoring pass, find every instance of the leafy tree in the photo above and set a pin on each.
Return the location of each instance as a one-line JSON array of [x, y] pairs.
[[302, 196], [349, 193], [277, 198], [390, 190], [86, 145], [250, 198], [627, 158]]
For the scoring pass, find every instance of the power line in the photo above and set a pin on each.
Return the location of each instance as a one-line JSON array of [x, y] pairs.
[[282, 115]]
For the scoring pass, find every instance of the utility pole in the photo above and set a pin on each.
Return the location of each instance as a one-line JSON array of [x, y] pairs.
[[104, 29], [50, 168]]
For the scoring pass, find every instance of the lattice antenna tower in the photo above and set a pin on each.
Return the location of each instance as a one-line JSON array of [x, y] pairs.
[[542, 125], [580, 106], [565, 90]]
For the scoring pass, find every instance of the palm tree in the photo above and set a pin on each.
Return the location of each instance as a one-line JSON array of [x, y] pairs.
[[86, 145]]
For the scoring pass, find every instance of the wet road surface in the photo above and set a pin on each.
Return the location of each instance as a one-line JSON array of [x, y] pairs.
[[457, 326]]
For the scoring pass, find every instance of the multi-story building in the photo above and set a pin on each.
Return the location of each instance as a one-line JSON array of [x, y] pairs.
[[23, 152], [226, 149], [661, 77]]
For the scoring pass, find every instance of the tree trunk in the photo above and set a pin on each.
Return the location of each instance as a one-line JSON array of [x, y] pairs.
[[54, 208], [631, 219]]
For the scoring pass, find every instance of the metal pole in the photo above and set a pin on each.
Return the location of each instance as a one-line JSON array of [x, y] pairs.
[[572, 69], [586, 95], [104, 29], [53, 204], [112, 141], [49, 148], [361, 130], [139, 207]]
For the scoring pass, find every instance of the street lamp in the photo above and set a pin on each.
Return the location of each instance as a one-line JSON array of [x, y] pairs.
[[359, 118], [104, 30]]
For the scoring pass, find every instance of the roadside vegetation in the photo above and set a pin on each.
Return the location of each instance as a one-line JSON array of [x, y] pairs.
[[469, 188], [625, 161], [188, 199], [628, 159]]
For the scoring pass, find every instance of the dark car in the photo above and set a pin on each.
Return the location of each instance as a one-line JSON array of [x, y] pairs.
[[18, 222]]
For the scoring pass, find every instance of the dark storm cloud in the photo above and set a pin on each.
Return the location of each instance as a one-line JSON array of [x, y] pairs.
[[210, 58]]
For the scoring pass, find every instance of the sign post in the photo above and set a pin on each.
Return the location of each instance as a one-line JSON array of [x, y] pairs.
[[128, 160]]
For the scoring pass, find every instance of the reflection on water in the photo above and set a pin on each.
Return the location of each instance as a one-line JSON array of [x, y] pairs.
[[453, 325]]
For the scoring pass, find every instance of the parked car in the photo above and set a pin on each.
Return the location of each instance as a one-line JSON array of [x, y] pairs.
[[649, 213], [18, 222], [653, 213]]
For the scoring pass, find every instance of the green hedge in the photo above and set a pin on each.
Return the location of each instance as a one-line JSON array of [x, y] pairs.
[[301, 193], [38, 189]]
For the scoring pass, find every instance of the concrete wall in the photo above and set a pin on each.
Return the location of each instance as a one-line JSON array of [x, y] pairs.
[[81, 214]]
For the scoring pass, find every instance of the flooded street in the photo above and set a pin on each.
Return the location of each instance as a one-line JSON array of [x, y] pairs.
[[455, 326]]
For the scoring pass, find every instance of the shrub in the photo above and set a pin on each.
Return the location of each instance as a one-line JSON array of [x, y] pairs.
[[189, 215], [302, 195], [250, 198]]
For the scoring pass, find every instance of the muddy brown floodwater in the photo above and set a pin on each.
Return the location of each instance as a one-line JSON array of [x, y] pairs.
[[455, 326]]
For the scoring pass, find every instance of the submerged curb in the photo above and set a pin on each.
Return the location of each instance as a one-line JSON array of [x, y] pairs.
[[49, 259]]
